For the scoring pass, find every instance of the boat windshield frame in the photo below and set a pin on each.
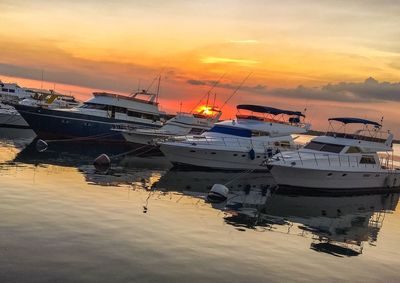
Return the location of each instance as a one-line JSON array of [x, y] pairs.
[[368, 132]]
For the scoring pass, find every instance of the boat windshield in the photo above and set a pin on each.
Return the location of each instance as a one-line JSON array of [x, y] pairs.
[[325, 147], [240, 132]]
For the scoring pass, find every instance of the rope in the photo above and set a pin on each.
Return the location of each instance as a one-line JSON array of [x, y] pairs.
[[93, 137]]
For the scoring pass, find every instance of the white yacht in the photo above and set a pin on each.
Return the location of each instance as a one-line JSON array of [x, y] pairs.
[[93, 121], [239, 144], [11, 119], [182, 124], [13, 93], [340, 161]]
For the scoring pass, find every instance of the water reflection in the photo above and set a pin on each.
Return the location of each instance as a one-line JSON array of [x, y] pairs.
[[338, 226]]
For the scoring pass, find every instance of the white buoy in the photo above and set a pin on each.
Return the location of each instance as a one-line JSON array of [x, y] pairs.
[[218, 193], [102, 163], [41, 145]]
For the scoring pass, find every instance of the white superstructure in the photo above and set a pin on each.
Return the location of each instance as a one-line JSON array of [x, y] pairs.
[[340, 161], [12, 92], [140, 109]]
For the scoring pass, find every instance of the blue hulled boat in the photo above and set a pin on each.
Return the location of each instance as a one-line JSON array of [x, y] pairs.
[[94, 120]]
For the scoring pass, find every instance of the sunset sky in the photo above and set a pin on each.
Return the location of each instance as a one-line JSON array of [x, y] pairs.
[[333, 57]]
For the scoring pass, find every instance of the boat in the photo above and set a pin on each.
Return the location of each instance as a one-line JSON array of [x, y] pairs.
[[94, 119], [12, 93], [11, 119], [340, 161], [182, 124], [240, 144]]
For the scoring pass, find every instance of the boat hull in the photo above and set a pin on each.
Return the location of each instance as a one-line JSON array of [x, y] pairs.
[[208, 158], [332, 180], [53, 124], [12, 120], [139, 138]]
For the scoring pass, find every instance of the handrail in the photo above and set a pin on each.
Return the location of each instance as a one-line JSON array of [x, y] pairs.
[[230, 142], [331, 160]]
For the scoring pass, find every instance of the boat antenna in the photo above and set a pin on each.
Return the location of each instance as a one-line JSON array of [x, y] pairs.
[[236, 90], [158, 88], [180, 107], [155, 78], [215, 98], [41, 83], [208, 92]]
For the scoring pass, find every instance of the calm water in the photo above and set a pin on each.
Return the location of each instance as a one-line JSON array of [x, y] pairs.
[[61, 221]]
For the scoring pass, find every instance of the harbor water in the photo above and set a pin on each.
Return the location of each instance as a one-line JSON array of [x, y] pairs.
[[141, 221]]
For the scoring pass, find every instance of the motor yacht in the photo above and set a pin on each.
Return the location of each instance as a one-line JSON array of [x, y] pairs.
[[11, 119], [93, 121], [182, 124], [340, 161], [240, 144], [13, 93]]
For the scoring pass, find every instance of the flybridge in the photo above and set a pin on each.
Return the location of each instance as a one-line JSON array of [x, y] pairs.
[[131, 98], [370, 134]]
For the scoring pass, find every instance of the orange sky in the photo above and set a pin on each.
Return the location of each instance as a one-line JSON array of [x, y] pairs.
[[100, 45]]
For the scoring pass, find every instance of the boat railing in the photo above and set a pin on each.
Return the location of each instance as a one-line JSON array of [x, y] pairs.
[[332, 160], [272, 120], [233, 142]]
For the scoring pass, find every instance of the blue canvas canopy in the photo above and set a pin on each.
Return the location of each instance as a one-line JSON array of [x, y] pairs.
[[347, 120], [269, 110]]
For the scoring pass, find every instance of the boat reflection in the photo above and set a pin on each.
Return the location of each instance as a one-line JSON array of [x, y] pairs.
[[79, 154], [336, 225]]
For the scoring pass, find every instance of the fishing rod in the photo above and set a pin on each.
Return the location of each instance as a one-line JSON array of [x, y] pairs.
[[236, 90]]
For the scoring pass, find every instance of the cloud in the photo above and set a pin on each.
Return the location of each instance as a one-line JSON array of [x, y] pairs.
[[254, 88], [369, 90], [196, 82], [218, 60]]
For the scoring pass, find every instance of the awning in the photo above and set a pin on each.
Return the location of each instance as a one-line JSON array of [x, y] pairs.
[[269, 110], [347, 120]]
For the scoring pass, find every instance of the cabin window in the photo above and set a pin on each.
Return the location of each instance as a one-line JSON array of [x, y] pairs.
[[325, 147], [120, 110], [195, 131], [282, 143], [235, 131], [95, 106], [4, 89], [141, 115], [314, 146], [367, 159], [11, 90], [259, 134], [353, 149]]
